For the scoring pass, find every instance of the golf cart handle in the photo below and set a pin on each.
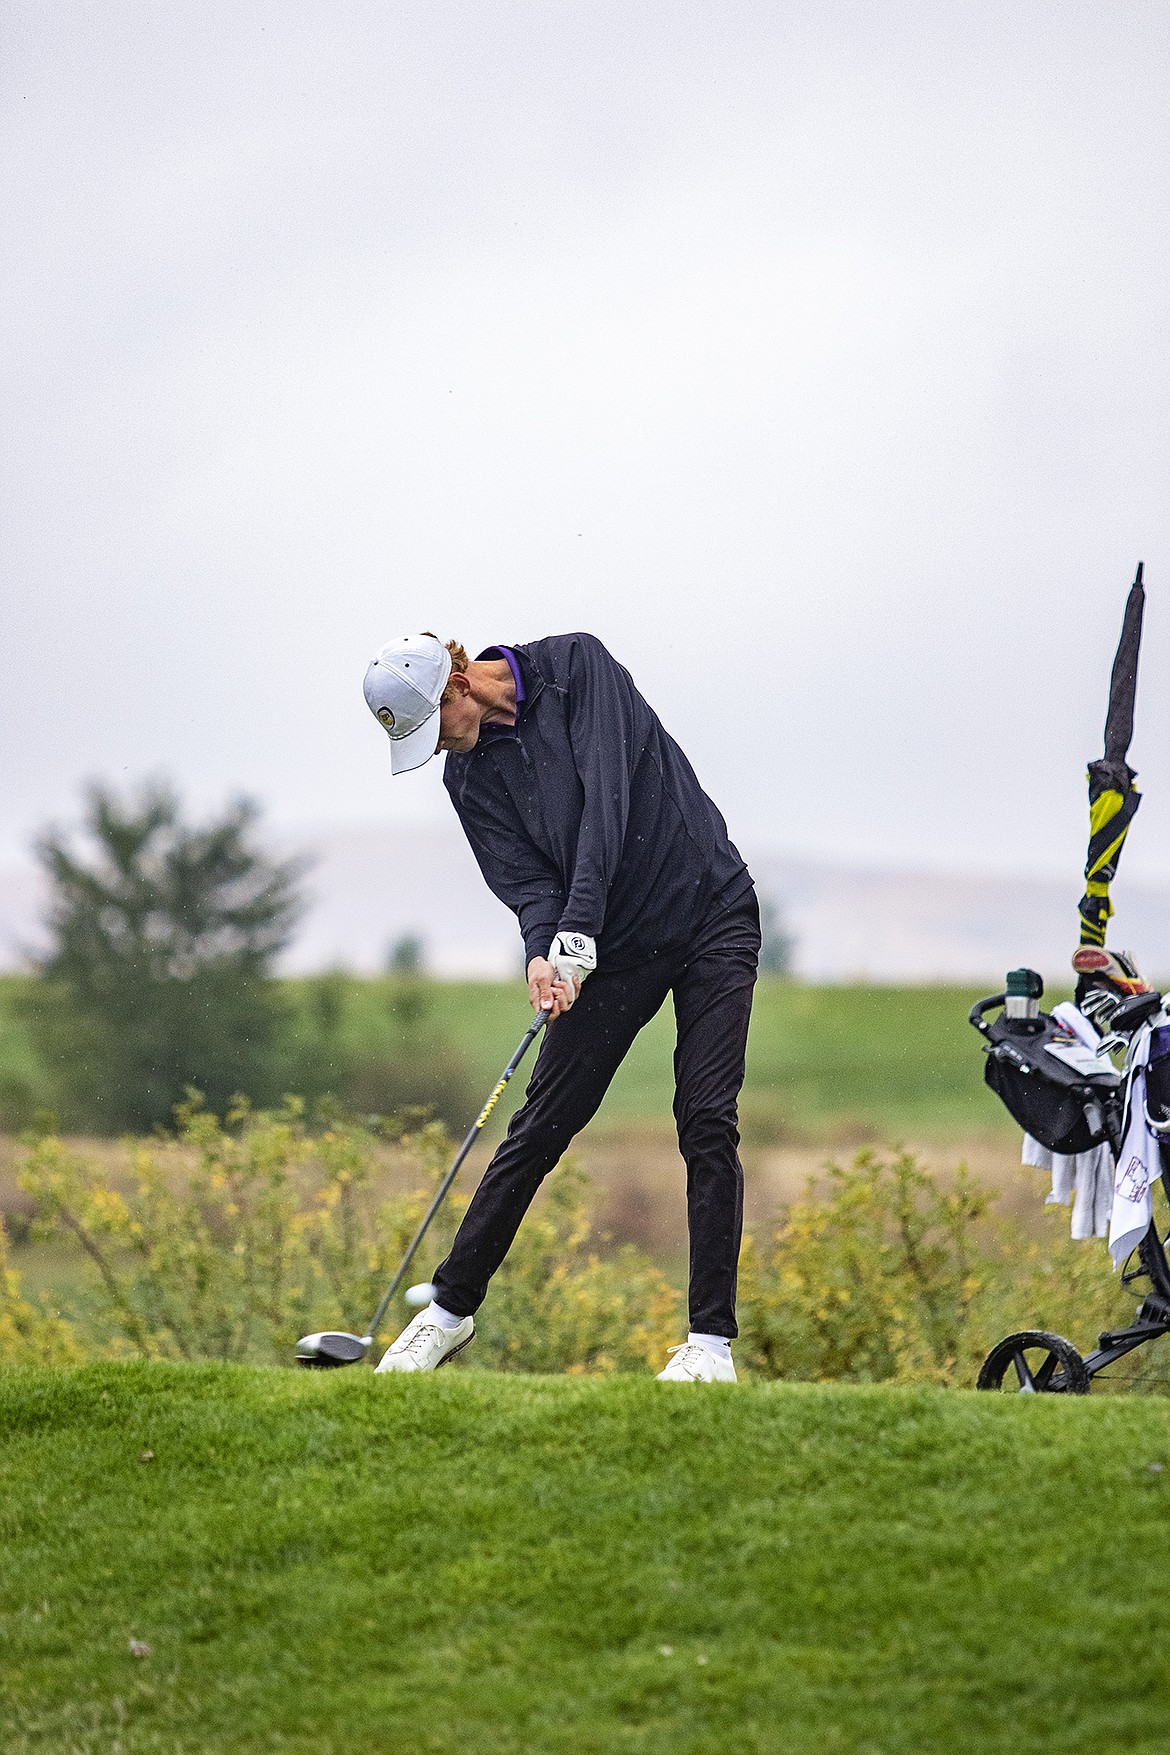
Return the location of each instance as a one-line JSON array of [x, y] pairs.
[[975, 1015]]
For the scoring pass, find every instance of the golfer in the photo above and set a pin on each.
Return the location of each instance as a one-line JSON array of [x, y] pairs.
[[588, 821]]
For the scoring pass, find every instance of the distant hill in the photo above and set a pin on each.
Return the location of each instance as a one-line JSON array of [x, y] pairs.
[[890, 925], [371, 886]]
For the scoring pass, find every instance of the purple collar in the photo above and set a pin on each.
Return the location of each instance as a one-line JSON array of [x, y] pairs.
[[513, 663]]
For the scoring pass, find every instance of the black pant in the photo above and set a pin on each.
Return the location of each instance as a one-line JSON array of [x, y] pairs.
[[712, 981]]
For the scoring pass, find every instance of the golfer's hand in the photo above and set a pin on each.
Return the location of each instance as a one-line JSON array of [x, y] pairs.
[[546, 992]]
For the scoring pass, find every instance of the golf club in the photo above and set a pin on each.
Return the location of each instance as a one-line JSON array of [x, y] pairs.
[[334, 1347]]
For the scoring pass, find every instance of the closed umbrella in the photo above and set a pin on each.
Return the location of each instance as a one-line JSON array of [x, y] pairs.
[[1113, 798]]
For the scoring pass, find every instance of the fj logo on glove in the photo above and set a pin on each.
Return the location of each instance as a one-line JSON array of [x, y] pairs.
[[573, 956]]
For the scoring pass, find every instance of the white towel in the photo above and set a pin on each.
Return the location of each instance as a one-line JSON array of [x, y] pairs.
[[1084, 1178], [1139, 1164]]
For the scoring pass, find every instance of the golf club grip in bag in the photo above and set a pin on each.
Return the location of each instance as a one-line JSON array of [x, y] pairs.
[[1063, 1107]]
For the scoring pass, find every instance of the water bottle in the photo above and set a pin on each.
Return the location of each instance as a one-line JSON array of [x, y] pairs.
[[1023, 989]]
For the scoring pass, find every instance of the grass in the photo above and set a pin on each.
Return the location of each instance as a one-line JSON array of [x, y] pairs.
[[339, 1563], [825, 1064], [822, 1061]]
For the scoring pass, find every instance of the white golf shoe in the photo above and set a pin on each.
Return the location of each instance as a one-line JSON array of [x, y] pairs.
[[424, 1346], [694, 1363]]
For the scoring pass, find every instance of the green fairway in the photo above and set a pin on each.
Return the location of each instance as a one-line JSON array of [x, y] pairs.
[[893, 1061], [340, 1563], [824, 1063]]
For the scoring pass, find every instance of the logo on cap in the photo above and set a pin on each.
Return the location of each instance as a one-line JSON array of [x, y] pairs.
[[386, 717]]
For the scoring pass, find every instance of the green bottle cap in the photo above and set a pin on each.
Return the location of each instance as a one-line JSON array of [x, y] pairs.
[[1024, 984]]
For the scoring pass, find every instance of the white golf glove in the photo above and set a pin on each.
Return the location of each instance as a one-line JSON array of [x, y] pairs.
[[573, 955]]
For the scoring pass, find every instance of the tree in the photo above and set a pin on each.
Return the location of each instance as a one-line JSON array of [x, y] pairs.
[[164, 937], [407, 956]]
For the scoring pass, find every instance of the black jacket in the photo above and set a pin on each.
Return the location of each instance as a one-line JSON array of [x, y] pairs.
[[587, 815]]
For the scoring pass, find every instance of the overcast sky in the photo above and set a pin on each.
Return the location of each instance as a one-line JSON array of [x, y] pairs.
[[813, 354]]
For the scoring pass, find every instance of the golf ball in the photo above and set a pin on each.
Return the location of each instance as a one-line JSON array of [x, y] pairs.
[[417, 1296]]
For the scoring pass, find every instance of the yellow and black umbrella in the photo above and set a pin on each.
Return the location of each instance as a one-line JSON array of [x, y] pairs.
[[1113, 798]]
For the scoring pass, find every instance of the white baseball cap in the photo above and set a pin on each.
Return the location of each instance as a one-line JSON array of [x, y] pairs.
[[403, 687]]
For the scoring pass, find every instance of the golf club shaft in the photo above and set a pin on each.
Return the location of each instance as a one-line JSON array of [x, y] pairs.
[[530, 1035]]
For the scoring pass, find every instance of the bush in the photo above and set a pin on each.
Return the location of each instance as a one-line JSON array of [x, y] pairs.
[[29, 1333], [892, 1274], [555, 1306], [394, 1059], [873, 1283], [18, 1102], [237, 1235], [428, 1073], [241, 1234]]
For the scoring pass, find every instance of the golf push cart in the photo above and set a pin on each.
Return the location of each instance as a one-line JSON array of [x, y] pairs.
[[1095, 1077], [1069, 1097]]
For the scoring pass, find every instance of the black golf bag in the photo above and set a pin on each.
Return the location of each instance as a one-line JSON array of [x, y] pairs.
[[1068, 1098], [1034, 1067]]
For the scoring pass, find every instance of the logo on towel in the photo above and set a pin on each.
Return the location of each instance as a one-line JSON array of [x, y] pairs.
[[1133, 1180]]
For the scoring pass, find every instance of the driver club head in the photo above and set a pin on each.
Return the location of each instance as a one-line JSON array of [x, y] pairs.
[[325, 1352]]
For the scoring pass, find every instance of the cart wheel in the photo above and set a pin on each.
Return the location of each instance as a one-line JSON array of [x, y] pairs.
[[1034, 1363]]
